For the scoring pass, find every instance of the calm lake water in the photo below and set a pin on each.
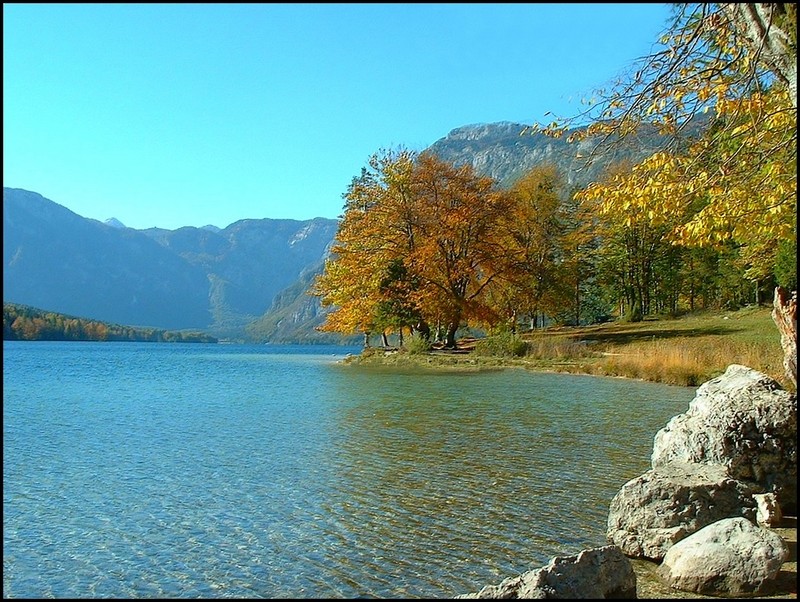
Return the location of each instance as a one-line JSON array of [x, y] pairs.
[[192, 470]]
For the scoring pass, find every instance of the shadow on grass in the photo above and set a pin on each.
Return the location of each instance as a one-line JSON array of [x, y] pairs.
[[623, 336]]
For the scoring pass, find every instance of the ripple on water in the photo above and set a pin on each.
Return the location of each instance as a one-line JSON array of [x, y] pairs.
[[135, 470]]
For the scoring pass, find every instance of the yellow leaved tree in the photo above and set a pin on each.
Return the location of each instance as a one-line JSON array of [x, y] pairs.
[[732, 66]]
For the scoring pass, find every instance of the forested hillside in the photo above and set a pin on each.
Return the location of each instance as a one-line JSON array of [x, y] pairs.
[[24, 323]]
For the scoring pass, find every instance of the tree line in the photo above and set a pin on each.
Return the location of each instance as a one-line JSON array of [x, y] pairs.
[[425, 246], [25, 323]]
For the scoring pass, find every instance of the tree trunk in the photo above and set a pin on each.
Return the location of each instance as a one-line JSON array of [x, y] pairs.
[[784, 313], [767, 32], [424, 330], [450, 336]]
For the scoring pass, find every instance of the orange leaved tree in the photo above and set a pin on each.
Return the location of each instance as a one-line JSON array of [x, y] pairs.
[[418, 245]]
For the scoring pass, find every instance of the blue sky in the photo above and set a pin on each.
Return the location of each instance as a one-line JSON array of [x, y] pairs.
[[175, 115]]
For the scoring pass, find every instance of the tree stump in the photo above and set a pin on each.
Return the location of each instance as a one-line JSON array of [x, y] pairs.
[[784, 314]]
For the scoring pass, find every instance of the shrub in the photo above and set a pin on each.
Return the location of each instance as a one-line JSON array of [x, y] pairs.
[[418, 344], [505, 344]]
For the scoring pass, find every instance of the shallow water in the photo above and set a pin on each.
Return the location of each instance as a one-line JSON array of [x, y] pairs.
[[192, 470]]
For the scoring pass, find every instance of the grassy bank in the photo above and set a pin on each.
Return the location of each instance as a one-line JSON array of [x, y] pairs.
[[684, 351]]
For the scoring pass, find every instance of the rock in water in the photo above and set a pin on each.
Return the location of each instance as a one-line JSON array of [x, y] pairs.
[[731, 557], [596, 573]]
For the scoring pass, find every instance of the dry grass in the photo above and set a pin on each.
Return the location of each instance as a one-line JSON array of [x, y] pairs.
[[686, 351]]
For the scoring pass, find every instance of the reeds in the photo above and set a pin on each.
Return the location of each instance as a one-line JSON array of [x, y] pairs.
[[691, 361]]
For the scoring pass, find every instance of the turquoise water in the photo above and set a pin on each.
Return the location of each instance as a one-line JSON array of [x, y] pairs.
[[193, 470]]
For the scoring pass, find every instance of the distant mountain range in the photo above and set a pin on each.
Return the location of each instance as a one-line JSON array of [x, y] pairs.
[[505, 151], [189, 278], [245, 282]]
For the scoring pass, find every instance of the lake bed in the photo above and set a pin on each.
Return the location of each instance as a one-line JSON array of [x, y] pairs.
[[194, 470]]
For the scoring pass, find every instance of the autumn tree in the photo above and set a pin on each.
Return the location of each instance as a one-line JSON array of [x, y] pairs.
[[533, 236], [361, 278], [736, 63], [458, 256], [416, 246], [637, 265]]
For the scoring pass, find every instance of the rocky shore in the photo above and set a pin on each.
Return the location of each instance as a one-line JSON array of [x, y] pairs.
[[651, 586], [715, 516]]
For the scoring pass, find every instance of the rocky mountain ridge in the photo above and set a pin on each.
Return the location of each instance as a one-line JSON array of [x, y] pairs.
[[248, 281]]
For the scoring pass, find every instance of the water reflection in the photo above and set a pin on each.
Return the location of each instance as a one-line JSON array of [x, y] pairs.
[[478, 476], [237, 473]]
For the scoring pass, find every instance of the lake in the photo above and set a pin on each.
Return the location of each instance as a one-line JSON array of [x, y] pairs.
[[199, 470]]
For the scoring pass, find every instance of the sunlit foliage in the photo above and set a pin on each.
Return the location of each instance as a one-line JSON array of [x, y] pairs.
[[739, 180], [417, 247], [24, 323]]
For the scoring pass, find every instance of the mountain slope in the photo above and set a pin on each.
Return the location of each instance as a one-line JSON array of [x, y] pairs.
[[217, 281], [59, 261], [249, 262], [294, 315], [504, 152]]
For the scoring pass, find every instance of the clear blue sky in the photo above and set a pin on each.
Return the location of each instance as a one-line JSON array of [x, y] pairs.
[[175, 115]]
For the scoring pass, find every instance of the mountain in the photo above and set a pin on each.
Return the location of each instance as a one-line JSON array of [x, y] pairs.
[[505, 151], [294, 315], [197, 278], [57, 260], [114, 223], [248, 281], [248, 263]]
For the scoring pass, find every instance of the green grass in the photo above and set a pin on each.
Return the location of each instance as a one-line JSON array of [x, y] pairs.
[[684, 351]]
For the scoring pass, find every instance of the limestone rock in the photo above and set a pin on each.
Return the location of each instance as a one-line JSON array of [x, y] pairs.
[[596, 573], [768, 511], [656, 510], [731, 557], [743, 420]]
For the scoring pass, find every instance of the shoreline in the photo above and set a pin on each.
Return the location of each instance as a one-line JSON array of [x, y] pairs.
[[684, 351], [437, 361], [648, 583]]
